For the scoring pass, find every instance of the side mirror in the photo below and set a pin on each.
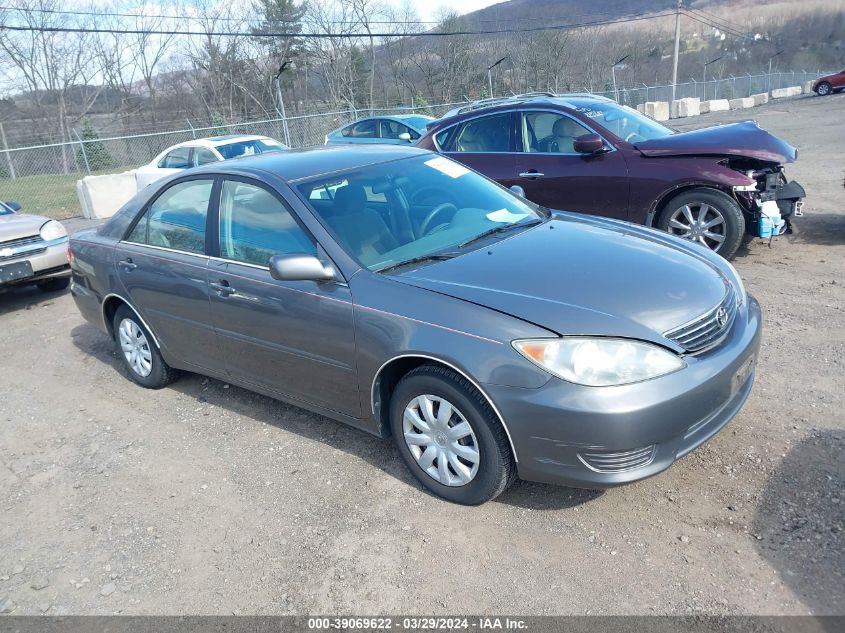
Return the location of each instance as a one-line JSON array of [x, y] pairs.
[[14, 206], [404, 136], [518, 190], [300, 267], [588, 144]]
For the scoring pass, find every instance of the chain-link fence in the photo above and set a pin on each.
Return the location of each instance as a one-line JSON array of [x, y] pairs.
[[43, 178]]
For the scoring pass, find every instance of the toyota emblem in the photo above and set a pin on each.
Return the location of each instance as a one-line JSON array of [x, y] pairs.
[[722, 317]]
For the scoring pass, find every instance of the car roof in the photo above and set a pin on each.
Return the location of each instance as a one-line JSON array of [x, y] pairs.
[[403, 118], [569, 101], [301, 164], [217, 141]]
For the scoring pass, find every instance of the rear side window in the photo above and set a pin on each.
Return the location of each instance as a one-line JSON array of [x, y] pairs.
[[362, 129], [204, 156], [179, 158], [176, 219], [255, 225], [487, 134]]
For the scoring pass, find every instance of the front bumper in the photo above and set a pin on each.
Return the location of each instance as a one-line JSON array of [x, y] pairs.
[[600, 437], [47, 258]]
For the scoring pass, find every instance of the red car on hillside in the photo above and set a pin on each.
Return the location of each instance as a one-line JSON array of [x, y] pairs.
[[828, 84]]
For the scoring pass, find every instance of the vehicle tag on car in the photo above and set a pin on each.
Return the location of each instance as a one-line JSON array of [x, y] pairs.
[[742, 375], [12, 272]]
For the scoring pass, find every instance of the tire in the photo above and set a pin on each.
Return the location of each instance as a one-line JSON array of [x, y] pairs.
[[493, 469], [730, 229], [152, 372], [53, 285], [824, 89]]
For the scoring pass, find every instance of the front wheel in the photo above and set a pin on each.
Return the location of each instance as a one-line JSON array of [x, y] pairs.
[[823, 89], [450, 437], [706, 216], [54, 285]]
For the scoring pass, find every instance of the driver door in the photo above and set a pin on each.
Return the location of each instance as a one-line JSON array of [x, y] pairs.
[[554, 175]]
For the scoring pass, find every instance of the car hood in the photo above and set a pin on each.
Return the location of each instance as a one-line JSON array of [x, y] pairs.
[[579, 277], [18, 225], [733, 139]]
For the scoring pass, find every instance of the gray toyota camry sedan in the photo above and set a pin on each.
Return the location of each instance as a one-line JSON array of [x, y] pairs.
[[402, 293]]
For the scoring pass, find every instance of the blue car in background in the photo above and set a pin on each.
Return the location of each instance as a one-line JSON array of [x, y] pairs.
[[393, 129]]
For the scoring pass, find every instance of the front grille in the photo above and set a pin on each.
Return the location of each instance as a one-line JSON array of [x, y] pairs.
[[21, 247], [708, 329], [616, 462]]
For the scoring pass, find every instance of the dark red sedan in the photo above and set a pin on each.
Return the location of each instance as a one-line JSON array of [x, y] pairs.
[[589, 154]]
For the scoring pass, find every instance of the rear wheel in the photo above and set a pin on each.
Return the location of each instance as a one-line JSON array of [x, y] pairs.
[[450, 437], [706, 216], [139, 352], [823, 89], [53, 285]]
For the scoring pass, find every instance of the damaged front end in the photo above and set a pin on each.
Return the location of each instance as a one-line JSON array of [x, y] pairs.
[[772, 201]]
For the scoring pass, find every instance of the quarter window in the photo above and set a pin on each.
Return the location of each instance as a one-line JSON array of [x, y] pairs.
[[176, 219], [550, 133], [255, 225], [487, 134]]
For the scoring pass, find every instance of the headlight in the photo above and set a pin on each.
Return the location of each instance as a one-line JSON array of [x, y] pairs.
[[52, 230], [599, 362]]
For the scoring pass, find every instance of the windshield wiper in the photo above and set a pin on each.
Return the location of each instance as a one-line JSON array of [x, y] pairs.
[[434, 257], [498, 229]]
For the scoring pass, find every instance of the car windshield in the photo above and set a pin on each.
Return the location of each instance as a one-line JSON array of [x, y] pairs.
[[249, 148], [4, 210], [624, 122], [418, 122], [388, 214]]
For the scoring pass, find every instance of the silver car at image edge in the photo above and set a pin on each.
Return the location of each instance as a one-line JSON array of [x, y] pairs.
[[404, 294], [33, 250]]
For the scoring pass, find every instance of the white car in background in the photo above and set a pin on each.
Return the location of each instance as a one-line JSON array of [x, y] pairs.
[[203, 151]]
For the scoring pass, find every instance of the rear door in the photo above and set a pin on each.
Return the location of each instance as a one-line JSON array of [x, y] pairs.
[[486, 144], [294, 338], [554, 175], [162, 266]]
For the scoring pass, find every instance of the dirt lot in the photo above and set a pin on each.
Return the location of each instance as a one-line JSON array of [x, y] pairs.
[[203, 498]]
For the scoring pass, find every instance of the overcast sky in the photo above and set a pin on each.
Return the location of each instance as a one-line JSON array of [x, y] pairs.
[[427, 8]]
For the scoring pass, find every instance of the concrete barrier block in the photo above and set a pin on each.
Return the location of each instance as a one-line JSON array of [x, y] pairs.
[[761, 98], [641, 108], [688, 106], [714, 105], [739, 104], [101, 196], [808, 87], [657, 110], [791, 91]]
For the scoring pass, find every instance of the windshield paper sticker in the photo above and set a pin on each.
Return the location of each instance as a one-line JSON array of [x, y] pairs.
[[448, 167], [503, 215]]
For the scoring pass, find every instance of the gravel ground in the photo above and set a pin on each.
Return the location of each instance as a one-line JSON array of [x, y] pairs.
[[207, 499]]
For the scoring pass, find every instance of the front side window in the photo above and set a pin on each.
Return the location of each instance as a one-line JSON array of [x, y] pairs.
[[390, 213], [176, 219], [179, 158], [392, 129], [255, 225], [486, 134], [550, 133]]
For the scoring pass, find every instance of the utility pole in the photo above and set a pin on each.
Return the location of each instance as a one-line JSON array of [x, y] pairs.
[[278, 81], [617, 64], [677, 48], [490, 74]]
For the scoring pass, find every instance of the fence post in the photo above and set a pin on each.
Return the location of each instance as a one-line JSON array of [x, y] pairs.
[[8, 154], [193, 131], [82, 148]]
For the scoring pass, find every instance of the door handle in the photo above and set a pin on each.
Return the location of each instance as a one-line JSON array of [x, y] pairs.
[[531, 174], [127, 264], [223, 288]]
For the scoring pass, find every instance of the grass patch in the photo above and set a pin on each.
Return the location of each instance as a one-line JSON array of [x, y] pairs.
[[51, 195]]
